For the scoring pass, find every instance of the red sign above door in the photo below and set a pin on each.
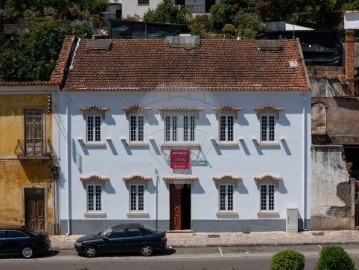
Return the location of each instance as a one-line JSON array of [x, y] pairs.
[[179, 159]]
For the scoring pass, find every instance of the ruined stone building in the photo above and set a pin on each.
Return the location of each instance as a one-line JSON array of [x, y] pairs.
[[335, 141]]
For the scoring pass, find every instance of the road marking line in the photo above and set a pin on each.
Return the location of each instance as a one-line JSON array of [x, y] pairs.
[[220, 251]]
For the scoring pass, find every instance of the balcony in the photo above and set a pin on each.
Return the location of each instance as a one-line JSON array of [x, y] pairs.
[[34, 150]]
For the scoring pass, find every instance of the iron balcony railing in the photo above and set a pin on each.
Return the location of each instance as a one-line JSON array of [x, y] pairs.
[[34, 149]]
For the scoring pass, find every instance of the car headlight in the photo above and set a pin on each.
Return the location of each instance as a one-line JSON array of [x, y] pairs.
[[77, 244]]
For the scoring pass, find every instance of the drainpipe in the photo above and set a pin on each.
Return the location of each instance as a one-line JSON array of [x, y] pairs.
[[156, 173], [305, 162], [68, 126]]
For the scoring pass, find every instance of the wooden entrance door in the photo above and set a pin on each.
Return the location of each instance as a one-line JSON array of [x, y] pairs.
[[35, 208], [175, 207]]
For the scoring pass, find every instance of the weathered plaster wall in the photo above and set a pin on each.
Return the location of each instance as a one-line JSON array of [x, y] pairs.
[[15, 175], [331, 189]]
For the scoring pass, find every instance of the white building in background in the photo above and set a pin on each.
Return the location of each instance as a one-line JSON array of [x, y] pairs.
[[140, 7], [183, 134]]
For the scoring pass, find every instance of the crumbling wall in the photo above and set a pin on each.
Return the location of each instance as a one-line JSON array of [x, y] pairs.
[[331, 189]]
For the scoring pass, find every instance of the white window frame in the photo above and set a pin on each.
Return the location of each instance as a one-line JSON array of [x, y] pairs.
[[137, 124], [267, 127], [94, 198], [137, 197], [227, 128], [226, 197], [93, 131], [171, 125], [189, 128], [267, 197]]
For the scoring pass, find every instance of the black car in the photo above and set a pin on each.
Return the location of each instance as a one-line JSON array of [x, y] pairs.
[[18, 240], [122, 238]]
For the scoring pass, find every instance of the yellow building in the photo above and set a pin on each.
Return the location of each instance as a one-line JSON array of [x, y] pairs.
[[28, 164]]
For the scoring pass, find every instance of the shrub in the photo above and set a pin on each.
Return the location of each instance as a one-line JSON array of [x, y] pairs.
[[287, 260], [334, 258], [228, 28]]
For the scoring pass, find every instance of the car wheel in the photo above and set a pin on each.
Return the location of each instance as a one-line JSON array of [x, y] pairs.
[[27, 252], [146, 250], [90, 252]]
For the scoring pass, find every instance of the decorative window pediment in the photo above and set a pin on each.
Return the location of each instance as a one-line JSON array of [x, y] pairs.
[[225, 177], [94, 178], [228, 109], [137, 108], [94, 109], [180, 110], [137, 176], [267, 176], [183, 179], [268, 109]]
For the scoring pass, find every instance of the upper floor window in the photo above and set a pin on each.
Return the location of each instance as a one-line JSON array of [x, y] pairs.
[[143, 2], [34, 132], [93, 128], [93, 114], [226, 128], [180, 128], [136, 127], [267, 116], [267, 128], [170, 128]]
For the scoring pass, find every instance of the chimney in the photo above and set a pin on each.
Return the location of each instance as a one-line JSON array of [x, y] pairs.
[[351, 22]]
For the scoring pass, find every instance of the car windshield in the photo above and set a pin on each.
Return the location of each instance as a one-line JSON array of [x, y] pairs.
[[33, 231], [105, 232]]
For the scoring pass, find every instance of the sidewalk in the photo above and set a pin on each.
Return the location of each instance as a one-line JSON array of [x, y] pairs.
[[238, 239]]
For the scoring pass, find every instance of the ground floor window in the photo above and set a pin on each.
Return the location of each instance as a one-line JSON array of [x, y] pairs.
[[137, 198], [267, 197], [94, 198], [226, 197]]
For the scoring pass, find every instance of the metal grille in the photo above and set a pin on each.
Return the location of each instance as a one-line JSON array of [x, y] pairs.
[[222, 197], [271, 197], [263, 197], [98, 198], [271, 128], [33, 132], [264, 128]]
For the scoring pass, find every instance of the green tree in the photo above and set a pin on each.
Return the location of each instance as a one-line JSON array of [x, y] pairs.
[[200, 25], [276, 10], [36, 54], [249, 25], [167, 12], [223, 13]]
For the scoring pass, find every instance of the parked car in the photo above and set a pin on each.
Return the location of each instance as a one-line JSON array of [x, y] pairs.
[[19, 240], [122, 238]]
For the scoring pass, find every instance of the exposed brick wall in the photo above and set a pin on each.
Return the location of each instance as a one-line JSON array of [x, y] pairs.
[[349, 60]]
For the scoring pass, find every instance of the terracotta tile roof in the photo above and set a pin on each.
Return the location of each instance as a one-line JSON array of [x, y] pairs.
[[27, 83], [214, 65], [57, 75]]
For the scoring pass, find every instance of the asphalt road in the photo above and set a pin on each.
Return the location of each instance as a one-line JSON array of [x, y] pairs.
[[213, 258]]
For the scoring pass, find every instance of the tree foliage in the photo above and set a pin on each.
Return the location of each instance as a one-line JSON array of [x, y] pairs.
[[166, 12], [222, 13]]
